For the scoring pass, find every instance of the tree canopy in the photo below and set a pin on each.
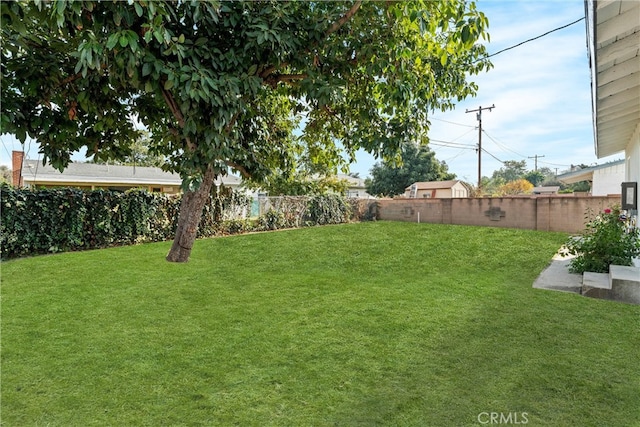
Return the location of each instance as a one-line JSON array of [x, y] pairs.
[[222, 85], [418, 164]]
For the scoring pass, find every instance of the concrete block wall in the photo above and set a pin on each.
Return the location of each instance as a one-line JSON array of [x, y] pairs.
[[544, 213]]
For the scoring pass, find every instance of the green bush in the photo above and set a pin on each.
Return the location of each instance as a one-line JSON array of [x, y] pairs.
[[68, 219], [606, 240], [272, 220], [328, 209], [237, 226]]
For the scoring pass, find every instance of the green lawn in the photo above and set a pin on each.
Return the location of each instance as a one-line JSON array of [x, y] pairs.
[[372, 324]]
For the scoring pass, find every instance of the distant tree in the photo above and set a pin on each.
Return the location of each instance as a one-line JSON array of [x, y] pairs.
[[5, 174], [534, 177], [141, 154], [511, 171], [301, 184], [417, 163], [489, 186], [547, 172], [512, 188]]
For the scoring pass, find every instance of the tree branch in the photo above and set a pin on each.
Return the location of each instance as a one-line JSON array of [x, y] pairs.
[[64, 82], [267, 72], [239, 168], [333, 114], [347, 16], [286, 78], [168, 98], [173, 106]]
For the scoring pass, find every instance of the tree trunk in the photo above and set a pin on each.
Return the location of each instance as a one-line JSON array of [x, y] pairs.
[[189, 219]]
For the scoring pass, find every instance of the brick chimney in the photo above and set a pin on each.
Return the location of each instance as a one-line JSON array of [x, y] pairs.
[[17, 157]]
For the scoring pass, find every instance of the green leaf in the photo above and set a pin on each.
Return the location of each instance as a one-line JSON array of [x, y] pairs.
[[146, 69], [133, 43], [168, 84], [138, 8], [148, 36], [465, 34], [158, 35], [124, 41]]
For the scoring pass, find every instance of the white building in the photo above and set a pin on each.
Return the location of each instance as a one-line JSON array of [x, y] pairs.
[[605, 179]]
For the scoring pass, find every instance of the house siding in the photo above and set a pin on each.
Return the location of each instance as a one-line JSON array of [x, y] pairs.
[[632, 154], [607, 180]]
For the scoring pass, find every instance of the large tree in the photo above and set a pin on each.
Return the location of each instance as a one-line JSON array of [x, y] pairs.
[[219, 84], [511, 170], [417, 164]]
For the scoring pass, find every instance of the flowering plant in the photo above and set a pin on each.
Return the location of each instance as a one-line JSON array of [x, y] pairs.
[[606, 240]]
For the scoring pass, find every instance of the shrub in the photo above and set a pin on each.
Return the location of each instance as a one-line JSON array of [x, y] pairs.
[[67, 219], [328, 209], [606, 240], [237, 226], [272, 220]]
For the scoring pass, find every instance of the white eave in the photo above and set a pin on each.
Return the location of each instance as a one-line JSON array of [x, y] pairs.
[[613, 36]]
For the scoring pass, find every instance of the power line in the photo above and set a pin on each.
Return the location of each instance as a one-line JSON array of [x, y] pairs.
[[4, 144], [465, 134], [493, 156], [531, 39], [453, 123], [460, 153], [451, 144], [555, 164], [504, 147]]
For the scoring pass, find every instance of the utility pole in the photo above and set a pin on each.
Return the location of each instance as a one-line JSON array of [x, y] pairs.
[[536, 162], [479, 117]]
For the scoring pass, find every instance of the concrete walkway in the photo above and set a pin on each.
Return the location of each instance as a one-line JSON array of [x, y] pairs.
[[557, 277], [621, 283]]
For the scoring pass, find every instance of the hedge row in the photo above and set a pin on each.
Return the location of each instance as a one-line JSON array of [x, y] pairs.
[[68, 219]]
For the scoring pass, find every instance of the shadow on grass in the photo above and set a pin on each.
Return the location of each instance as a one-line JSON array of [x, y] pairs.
[[524, 360]]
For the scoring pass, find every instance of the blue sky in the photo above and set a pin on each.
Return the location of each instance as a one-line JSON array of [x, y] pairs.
[[541, 92]]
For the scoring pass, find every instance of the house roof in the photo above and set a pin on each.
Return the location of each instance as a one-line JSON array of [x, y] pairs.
[[613, 39], [91, 173], [586, 174], [545, 190], [434, 185], [353, 182]]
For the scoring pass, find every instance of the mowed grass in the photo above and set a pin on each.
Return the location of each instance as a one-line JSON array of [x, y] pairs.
[[372, 324]]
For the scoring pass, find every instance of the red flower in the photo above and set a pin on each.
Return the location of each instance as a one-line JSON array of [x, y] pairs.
[[607, 211]]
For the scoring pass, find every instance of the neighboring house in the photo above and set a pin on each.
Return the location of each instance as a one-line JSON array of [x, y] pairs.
[[356, 187], [548, 190], [613, 40], [92, 176], [605, 179], [437, 190]]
